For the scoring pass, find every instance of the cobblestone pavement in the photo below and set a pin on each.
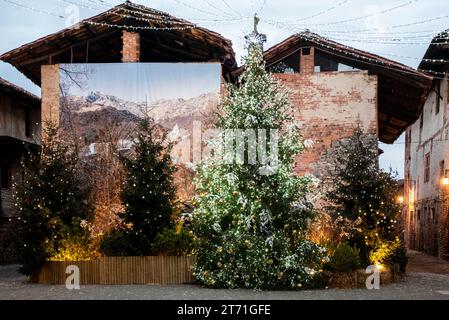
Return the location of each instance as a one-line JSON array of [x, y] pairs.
[[427, 278]]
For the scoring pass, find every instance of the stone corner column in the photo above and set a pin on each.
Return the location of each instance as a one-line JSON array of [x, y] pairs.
[[50, 96]]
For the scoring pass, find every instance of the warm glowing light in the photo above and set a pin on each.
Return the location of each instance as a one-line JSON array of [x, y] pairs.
[[401, 199], [445, 181], [379, 266]]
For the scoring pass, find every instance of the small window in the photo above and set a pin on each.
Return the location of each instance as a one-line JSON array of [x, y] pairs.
[[5, 176], [411, 216], [442, 169], [419, 215], [305, 51], [437, 97], [432, 214], [290, 64], [427, 167], [28, 125]]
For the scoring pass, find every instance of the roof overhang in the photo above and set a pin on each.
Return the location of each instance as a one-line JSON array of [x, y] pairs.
[[435, 60], [21, 97], [98, 40], [402, 90]]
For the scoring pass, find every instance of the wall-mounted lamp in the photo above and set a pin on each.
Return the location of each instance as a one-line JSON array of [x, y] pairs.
[[445, 180]]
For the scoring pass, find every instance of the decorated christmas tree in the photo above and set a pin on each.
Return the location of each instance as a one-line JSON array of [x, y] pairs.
[[51, 203], [251, 216], [148, 193], [365, 196]]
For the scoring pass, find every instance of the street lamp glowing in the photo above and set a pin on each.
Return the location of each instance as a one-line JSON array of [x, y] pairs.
[[400, 199], [445, 181]]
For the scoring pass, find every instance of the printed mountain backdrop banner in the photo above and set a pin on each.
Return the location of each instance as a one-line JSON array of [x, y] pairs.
[[101, 105]]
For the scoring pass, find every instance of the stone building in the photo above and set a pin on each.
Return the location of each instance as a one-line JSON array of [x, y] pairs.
[[336, 88], [427, 161], [19, 132]]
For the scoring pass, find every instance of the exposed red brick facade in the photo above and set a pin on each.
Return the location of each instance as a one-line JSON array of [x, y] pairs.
[[328, 107], [307, 60]]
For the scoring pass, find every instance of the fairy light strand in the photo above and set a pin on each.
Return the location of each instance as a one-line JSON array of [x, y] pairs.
[[402, 5], [231, 8], [29, 8], [217, 8], [120, 26], [317, 14], [198, 9], [158, 13]]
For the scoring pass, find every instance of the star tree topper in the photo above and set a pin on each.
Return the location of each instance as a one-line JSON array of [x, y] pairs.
[[256, 38]]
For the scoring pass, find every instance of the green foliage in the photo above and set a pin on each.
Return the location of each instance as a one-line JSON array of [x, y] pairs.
[[50, 201], [75, 247], [174, 242], [148, 194], [344, 258], [251, 227], [399, 259], [117, 243], [364, 195]]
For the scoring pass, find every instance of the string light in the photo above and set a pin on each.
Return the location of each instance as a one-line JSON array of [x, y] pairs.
[[319, 40], [198, 9], [362, 17], [386, 37], [358, 31], [323, 12], [158, 14], [216, 8], [19, 5], [412, 58], [377, 32], [262, 6], [230, 8], [120, 26], [392, 42], [82, 5]]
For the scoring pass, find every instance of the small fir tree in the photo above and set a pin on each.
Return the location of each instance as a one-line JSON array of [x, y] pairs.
[[251, 220], [148, 193], [51, 202], [365, 196]]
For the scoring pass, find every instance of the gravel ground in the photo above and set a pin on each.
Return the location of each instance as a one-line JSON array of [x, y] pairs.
[[426, 280]]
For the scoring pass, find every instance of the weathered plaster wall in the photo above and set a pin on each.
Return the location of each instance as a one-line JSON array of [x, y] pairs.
[[426, 214], [328, 107], [50, 96], [12, 121]]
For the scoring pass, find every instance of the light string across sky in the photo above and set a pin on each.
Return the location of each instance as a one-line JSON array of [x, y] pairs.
[[400, 29], [213, 13], [222, 12]]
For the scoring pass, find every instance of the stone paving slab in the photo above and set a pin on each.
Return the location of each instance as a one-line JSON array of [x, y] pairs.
[[426, 279]]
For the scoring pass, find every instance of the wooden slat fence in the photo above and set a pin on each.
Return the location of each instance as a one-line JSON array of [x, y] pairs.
[[122, 270]]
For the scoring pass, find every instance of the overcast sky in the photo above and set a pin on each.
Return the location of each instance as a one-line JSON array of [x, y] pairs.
[[363, 24]]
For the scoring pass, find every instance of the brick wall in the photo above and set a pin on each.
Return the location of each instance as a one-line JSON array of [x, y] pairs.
[[131, 46], [328, 108], [307, 63]]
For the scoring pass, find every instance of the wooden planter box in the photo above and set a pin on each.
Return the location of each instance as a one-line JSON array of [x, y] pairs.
[[122, 271]]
